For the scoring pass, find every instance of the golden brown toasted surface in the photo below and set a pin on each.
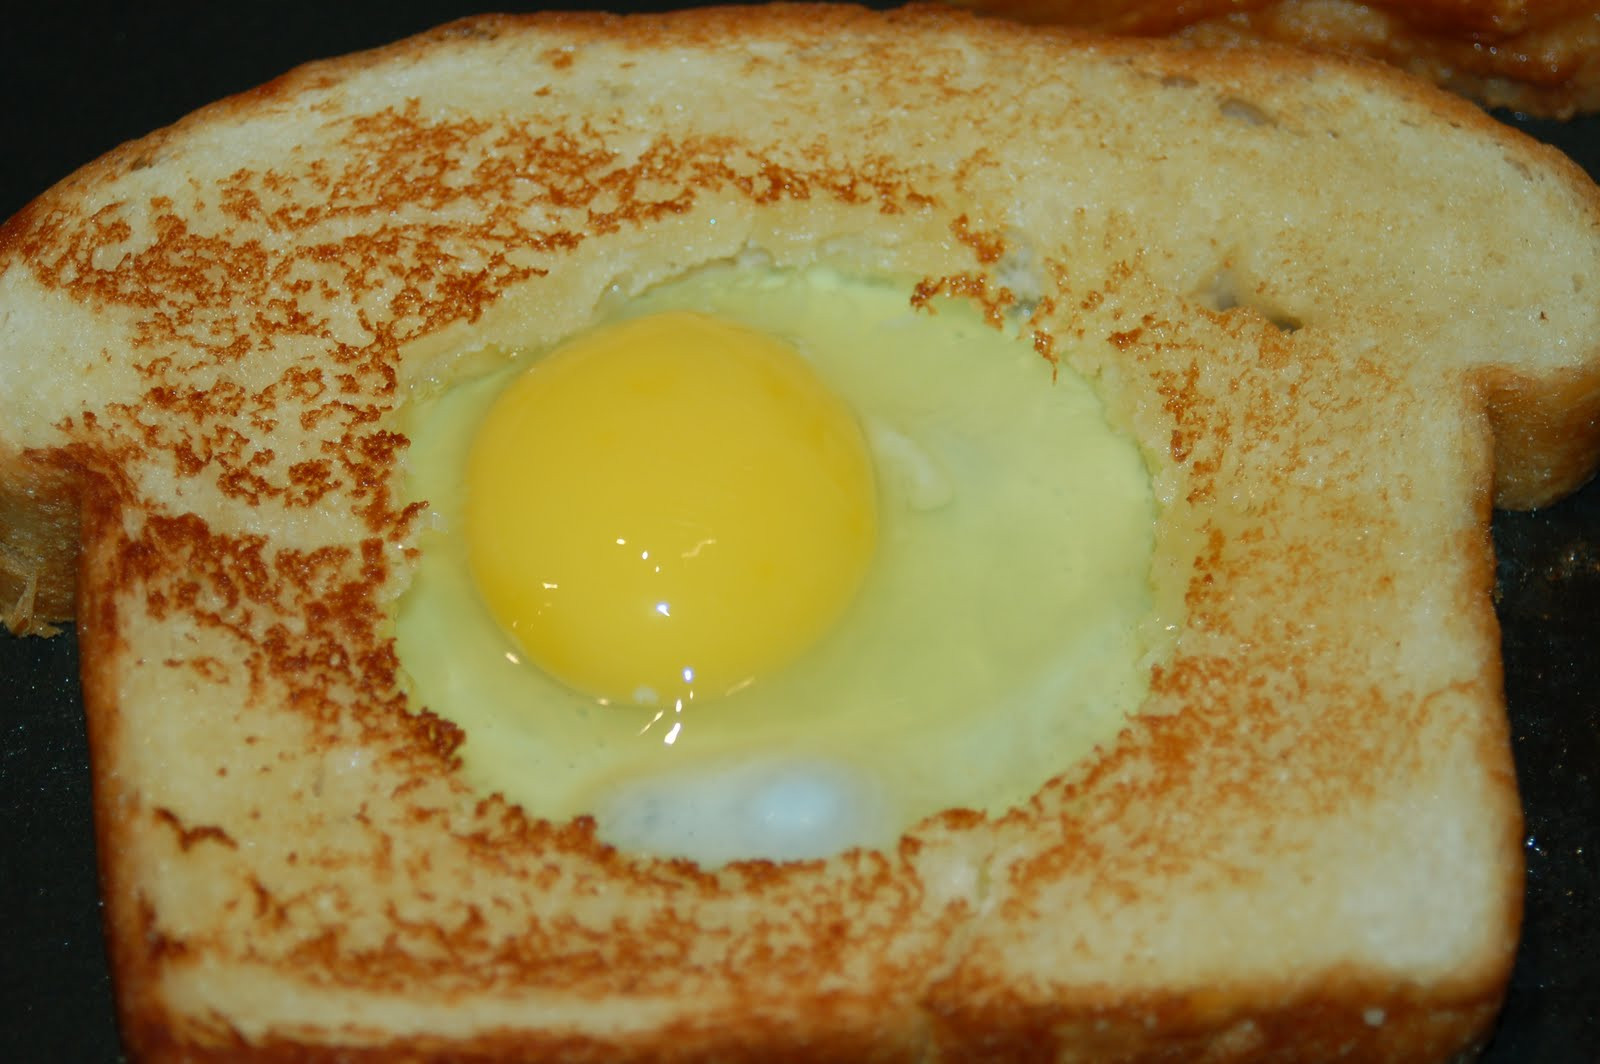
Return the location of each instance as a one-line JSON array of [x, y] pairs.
[[1535, 56], [212, 330]]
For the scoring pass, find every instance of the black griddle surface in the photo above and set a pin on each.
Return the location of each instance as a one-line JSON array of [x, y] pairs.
[[75, 82]]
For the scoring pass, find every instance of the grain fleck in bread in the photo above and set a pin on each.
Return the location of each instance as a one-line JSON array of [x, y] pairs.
[[1255, 870]]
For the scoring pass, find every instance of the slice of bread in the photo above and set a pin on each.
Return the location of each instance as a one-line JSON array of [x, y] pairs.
[[1534, 56], [1340, 314]]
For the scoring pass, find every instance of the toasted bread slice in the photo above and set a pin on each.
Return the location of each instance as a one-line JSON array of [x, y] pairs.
[[1340, 314], [1534, 56]]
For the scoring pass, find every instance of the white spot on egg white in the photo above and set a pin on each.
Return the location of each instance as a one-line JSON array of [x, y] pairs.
[[777, 809], [926, 484]]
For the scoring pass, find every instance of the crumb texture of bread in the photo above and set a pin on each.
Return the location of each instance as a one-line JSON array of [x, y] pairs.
[[1341, 314], [1540, 57]]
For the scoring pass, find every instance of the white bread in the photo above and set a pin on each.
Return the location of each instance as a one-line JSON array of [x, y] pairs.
[[1535, 56], [1319, 928]]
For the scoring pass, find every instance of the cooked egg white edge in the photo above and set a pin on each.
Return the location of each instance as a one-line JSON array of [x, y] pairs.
[[988, 652]]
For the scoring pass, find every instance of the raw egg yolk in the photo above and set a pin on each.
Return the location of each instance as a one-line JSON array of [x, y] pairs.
[[665, 509]]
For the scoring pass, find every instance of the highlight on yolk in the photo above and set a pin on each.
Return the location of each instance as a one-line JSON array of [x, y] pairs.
[[669, 508]]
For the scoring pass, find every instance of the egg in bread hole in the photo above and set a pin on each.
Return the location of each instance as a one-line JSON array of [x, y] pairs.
[[773, 564]]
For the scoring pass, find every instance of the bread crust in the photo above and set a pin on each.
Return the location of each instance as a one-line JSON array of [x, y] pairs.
[[390, 888], [39, 549]]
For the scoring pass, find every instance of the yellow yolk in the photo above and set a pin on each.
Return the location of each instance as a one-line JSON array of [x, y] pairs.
[[668, 509]]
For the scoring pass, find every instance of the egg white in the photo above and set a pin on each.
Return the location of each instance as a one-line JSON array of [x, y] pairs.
[[998, 638]]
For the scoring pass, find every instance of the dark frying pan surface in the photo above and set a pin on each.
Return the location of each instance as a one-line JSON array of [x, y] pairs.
[[73, 83]]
